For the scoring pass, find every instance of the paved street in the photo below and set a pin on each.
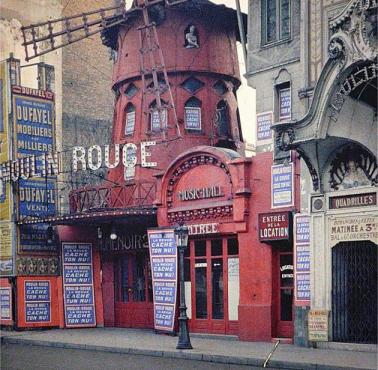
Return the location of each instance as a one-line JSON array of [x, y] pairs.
[[143, 348], [27, 357]]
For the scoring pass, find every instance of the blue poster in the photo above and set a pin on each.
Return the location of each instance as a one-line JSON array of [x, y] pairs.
[[302, 234], [79, 302], [37, 301], [5, 303], [33, 238], [302, 287], [264, 122], [282, 185], [163, 256]]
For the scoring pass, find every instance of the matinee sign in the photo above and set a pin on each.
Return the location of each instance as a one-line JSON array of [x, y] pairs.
[[163, 256], [274, 226], [79, 304]]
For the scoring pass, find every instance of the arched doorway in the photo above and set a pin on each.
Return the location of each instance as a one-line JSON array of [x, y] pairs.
[[354, 292]]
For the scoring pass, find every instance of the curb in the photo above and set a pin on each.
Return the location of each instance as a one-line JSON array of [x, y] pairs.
[[222, 359]]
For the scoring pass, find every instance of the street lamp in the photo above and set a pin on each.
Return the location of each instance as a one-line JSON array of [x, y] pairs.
[[181, 236]]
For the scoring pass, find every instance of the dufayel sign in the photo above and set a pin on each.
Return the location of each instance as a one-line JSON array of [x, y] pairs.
[[163, 257]]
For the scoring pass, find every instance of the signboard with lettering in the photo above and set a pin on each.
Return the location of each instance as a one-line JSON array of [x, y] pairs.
[[284, 104], [37, 301], [163, 256], [353, 200], [5, 304], [282, 185], [302, 259], [79, 302], [318, 325], [34, 127], [263, 124], [193, 118], [6, 250], [274, 226], [352, 228]]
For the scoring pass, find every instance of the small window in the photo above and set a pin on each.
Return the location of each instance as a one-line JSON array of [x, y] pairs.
[[220, 87], [129, 119], [131, 90], [284, 101], [192, 84], [276, 22], [161, 82], [129, 171], [191, 37], [222, 118], [193, 114], [158, 120]]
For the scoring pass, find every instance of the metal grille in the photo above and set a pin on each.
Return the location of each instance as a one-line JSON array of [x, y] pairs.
[[354, 292]]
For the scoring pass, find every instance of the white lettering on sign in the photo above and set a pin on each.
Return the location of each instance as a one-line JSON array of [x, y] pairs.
[[201, 229], [201, 193]]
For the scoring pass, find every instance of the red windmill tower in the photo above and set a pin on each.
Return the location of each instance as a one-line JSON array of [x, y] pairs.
[[175, 77]]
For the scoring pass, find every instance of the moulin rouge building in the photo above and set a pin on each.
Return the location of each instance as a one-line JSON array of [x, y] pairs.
[[189, 168]]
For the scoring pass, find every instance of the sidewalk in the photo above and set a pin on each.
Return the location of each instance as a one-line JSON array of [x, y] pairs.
[[219, 350]]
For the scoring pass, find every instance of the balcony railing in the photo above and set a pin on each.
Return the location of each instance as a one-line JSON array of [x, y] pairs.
[[112, 196]]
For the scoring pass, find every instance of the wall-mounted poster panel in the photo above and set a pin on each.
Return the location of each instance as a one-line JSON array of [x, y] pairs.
[[6, 250], [282, 185], [37, 301], [284, 104], [264, 133], [78, 289], [302, 259], [6, 317], [163, 257]]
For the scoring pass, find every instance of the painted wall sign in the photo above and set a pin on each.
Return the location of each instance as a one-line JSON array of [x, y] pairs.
[[318, 325], [263, 124], [37, 301], [344, 229], [125, 243], [274, 226], [163, 257], [302, 259], [6, 250], [5, 303], [353, 200], [33, 238], [79, 303], [284, 104], [203, 229], [282, 185], [201, 193]]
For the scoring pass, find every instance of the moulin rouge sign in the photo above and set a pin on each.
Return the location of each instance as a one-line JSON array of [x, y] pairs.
[[274, 226], [93, 158]]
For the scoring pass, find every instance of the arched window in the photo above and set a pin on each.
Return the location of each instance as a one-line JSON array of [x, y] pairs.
[[193, 114], [129, 119], [223, 118], [129, 172], [158, 120]]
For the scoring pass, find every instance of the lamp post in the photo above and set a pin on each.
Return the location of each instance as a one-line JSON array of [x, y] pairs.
[[181, 236]]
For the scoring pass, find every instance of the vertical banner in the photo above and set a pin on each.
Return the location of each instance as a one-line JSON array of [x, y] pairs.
[[302, 259], [78, 290], [37, 301], [282, 185], [163, 257], [264, 132], [6, 317], [34, 128]]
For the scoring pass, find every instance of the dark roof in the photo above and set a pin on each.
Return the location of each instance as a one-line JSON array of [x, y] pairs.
[[212, 13]]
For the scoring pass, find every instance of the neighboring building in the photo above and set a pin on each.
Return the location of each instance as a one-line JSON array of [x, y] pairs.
[[309, 46]]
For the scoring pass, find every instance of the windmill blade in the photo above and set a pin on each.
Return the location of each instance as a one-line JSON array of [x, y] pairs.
[[41, 38]]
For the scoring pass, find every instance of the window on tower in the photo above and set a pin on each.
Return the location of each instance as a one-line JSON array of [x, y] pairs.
[[275, 20], [158, 117], [129, 119], [131, 90], [222, 119], [129, 171], [193, 114]]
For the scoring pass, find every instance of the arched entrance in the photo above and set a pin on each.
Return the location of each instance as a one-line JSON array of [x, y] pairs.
[[354, 292]]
